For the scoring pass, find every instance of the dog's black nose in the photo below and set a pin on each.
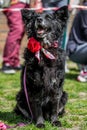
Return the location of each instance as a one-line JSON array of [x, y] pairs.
[[39, 19]]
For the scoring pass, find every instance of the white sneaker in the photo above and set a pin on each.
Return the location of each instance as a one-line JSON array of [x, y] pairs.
[[82, 77], [8, 70]]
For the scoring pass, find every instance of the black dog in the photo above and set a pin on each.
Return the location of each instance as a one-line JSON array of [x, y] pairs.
[[43, 71]]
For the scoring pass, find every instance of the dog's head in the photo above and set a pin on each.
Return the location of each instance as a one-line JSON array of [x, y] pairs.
[[45, 27]]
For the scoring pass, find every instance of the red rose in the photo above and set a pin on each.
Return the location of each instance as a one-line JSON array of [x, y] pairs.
[[34, 45]]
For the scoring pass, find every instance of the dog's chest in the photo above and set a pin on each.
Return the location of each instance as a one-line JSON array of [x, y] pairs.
[[45, 74]]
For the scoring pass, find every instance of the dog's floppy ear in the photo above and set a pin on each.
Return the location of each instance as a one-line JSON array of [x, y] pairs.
[[62, 15], [28, 17]]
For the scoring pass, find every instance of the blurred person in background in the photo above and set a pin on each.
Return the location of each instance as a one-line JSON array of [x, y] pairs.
[[11, 61], [77, 42]]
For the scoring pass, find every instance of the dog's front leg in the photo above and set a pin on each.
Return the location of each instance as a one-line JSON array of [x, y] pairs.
[[54, 114], [38, 115]]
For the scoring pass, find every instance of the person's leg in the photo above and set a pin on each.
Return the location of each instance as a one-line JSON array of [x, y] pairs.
[[12, 46], [80, 55]]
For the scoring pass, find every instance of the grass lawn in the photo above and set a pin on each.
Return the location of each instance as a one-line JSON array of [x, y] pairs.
[[76, 109]]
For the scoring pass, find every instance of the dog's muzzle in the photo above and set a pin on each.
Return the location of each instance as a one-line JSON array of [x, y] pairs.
[[41, 28]]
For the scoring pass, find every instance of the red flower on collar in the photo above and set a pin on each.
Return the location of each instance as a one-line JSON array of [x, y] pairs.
[[34, 45]]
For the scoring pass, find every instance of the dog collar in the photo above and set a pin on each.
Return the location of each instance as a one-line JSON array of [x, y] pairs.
[[35, 47], [46, 53]]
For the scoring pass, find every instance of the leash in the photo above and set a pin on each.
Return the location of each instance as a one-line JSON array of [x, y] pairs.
[[26, 93]]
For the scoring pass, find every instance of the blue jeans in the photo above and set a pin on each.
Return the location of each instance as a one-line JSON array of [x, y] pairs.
[[58, 3], [80, 54]]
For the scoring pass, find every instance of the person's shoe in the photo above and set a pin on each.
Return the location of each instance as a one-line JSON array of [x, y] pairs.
[[17, 68], [8, 69], [82, 77]]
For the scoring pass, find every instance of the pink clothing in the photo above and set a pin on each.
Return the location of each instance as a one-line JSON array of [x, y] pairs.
[[15, 35]]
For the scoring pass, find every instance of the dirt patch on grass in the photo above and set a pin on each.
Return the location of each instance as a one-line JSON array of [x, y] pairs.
[[83, 95]]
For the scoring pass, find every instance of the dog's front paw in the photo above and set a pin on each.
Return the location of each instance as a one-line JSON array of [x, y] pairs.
[[40, 122], [56, 123]]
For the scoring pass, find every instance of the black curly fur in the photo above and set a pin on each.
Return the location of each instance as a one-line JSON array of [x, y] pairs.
[[44, 79]]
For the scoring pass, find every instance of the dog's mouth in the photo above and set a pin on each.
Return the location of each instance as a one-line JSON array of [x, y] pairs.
[[41, 31]]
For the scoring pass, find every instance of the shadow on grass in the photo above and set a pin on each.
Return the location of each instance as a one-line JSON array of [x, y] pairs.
[[75, 70], [72, 76], [12, 120], [10, 117]]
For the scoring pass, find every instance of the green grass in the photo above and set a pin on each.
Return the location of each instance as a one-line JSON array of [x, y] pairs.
[[76, 109]]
